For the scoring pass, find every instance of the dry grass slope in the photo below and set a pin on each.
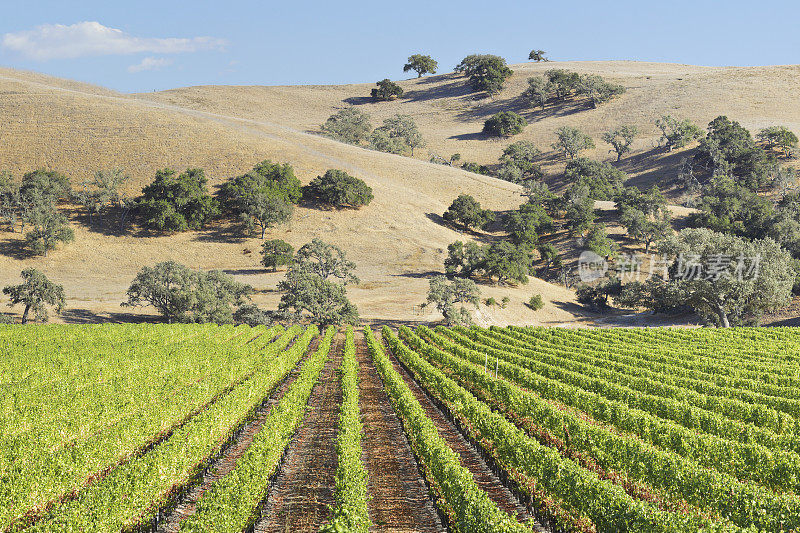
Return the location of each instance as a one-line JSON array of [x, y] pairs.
[[397, 240]]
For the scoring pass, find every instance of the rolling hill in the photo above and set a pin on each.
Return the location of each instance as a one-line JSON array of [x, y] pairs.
[[398, 240]]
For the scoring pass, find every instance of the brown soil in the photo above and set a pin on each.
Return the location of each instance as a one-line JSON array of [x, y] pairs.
[[303, 491], [400, 501], [226, 462]]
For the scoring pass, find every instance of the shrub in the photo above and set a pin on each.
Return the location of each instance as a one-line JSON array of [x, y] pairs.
[[340, 189], [467, 211], [387, 90], [184, 295], [504, 124], [536, 302], [490, 302], [398, 134], [349, 125], [603, 180], [276, 253]]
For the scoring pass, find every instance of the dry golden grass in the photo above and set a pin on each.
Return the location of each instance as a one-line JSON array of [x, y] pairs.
[[397, 241]]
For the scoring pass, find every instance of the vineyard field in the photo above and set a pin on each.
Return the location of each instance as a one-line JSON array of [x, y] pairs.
[[206, 428]]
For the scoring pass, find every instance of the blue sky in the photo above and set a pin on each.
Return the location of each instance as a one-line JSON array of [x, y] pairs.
[[153, 45]]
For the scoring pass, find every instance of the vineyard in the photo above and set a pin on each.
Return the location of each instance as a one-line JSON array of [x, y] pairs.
[[229, 429]]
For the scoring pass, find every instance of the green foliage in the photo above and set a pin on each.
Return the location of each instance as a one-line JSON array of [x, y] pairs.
[[350, 513], [103, 192], [536, 302], [180, 294], [730, 149], [397, 135], [464, 259], [10, 201], [174, 203], [48, 228], [596, 296], [527, 223], [308, 289], [603, 180], [677, 133], [508, 263], [276, 253], [729, 207], [598, 241], [44, 187], [504, 124], [490, 301], [563, 83], [36, 293], [579, 209], [621, 139], [308, 296], [263, 197], [549, 255], [598, 90], [35, 202], [486, 72], [467, 211], [644, 228], [537, 55], [338, 188], [778, 137], [475, 168], [504, 302], [445, 294], [386, 90], [350, 125], [724, 297], [571, 141], [522, 155], [538, 92], [421, 64]]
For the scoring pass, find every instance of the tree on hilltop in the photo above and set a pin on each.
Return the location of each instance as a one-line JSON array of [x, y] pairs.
[[421, 64], [537, 55]]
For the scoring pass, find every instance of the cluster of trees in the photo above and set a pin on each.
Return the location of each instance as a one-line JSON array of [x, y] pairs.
[[562, 85], [397, 135], [735, 222], [33, 204], [314, 289]]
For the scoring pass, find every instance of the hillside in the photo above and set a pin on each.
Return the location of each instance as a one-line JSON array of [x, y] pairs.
[[450, 117], [396, 241]]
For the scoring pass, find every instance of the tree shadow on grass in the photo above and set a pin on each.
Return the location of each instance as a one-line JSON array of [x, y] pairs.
[[223, 233], [359, 100], [15, 247], [86, 316]]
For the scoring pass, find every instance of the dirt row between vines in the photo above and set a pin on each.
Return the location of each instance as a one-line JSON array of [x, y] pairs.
[[302, 493], [400, 501], [226, 461]]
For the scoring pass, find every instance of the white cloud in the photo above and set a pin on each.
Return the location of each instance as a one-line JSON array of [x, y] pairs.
[[150, 63], [58, 41]]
